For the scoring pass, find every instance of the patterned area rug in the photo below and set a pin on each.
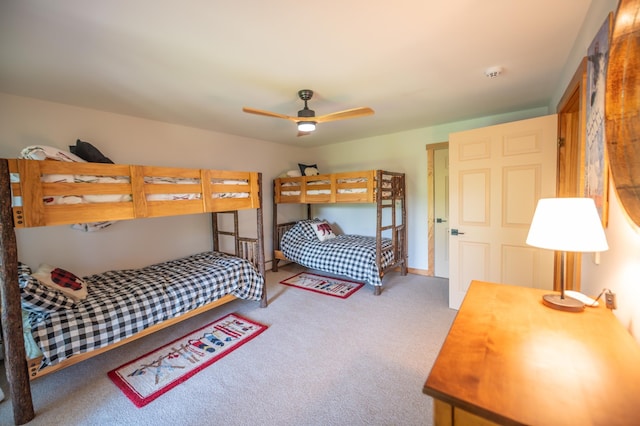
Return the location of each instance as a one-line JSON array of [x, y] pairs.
[[149, 376], [326, 285]]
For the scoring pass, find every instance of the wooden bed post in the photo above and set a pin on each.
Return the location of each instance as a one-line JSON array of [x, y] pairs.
[[403, 191], [14, 352], [378, 289], [274, 237], [260, 231]]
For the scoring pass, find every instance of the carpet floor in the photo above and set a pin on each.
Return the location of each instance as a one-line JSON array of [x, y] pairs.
[[322, 361]]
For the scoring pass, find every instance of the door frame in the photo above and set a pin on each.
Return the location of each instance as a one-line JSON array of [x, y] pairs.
[[572, 111], [430, 203]]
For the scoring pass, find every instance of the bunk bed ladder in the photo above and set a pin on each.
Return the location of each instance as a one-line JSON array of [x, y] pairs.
[[397, 227], [251, 249]]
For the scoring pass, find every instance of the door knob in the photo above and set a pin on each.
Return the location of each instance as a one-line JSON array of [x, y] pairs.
[[456, 232]]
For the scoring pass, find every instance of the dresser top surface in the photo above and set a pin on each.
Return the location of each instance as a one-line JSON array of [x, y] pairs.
[[511, 359]]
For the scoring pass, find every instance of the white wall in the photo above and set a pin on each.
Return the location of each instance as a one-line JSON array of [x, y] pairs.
[[130, 140], [619, 268]]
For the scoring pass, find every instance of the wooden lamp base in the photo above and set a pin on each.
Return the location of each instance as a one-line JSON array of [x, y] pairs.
[[562, 303]]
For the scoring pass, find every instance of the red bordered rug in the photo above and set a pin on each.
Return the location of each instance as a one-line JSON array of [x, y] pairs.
[[149, 376], [331, 286]]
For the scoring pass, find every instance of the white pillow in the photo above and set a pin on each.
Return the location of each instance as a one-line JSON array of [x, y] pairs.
[[311, 171], [294, 173], [323, 231], [44, 152], [63, 281]]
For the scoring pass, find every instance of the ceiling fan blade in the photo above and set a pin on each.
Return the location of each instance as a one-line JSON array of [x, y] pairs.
[[269, 114], [342, 115], [303, 133]]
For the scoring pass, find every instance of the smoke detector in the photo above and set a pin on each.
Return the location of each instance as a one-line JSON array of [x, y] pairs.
[[493, 72]]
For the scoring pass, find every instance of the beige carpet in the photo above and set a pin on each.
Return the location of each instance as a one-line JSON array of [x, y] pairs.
[[323, 361]]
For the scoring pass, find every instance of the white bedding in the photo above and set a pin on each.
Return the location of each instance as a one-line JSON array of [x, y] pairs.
[[386, 184]]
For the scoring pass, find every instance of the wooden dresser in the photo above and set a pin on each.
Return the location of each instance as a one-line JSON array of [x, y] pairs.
[[508, 359]]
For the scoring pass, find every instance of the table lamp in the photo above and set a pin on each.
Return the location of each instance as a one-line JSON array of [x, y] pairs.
[[566, 224]]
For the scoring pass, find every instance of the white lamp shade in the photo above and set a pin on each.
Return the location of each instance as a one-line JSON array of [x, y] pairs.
[[567, 224]]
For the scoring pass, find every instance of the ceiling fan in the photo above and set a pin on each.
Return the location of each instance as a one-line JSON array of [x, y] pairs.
[[307, 120]]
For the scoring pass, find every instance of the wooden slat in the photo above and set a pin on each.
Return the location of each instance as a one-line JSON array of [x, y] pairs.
[[137, 192], [171, 172], [224, 204], [61, 214], [90, 169], [174, 207], [256, 190], [32, 196], [207, 190]]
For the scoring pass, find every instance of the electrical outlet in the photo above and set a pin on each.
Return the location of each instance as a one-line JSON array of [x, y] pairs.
[[610, 299]]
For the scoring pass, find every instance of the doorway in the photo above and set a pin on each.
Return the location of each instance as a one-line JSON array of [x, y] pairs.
[[438, 210], [497, 175], [571, 138]]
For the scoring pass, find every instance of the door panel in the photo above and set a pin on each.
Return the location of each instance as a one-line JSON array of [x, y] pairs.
[[475, 197], [497, 174]]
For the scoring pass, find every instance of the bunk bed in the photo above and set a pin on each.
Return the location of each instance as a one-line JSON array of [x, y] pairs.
[[114, 192], [369, 258]]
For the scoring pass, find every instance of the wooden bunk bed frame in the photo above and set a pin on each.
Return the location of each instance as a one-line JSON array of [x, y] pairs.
[[213, 187], [347, 187]]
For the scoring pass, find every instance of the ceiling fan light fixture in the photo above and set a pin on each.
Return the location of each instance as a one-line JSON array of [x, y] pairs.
[[307, 120], [306, 126]]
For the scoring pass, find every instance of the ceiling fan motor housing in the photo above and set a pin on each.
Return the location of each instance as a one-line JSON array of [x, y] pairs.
[[305, 95], [306, 113]]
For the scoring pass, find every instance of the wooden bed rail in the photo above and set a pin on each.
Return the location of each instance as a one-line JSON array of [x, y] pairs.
[[138, 191]]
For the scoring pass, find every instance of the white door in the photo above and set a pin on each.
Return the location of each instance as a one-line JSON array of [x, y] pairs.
[[441, 212], [497, 174]]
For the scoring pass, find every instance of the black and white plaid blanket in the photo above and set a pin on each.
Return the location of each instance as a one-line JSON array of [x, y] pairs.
[[122, 303], [353, 256]]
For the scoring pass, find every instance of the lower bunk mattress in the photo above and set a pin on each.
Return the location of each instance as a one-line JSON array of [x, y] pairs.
[[122, 303], [352, 256]]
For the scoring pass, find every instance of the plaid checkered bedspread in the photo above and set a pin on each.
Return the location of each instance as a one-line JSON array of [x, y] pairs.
[[122, 303], [353, 256]]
